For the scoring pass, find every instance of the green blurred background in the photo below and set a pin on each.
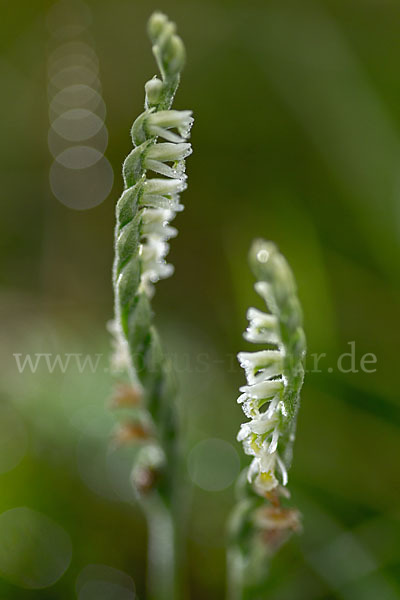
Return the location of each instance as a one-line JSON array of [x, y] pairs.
[[296, 139]]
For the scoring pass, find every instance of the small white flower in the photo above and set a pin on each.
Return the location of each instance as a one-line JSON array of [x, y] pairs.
[[261, 365], [261, 473], [154, 267], [267, 461], [164, 186], [259, 426], [167, 152], [262, 329], [265, 384], [156, 221], [157, 201], [160, 123], [264, 390]]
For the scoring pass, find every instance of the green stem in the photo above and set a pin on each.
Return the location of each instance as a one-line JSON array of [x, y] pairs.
[[242, 583], [162, 580], [234, 573]]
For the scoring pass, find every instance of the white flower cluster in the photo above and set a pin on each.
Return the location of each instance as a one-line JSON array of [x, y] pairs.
[[261, 399], [161, 195], [159, 204]]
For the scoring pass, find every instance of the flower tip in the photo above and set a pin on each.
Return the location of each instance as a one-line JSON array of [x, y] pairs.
[[156, 25], [261, 253]]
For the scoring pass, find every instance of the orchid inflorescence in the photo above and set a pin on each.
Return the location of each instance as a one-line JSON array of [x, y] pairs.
[[275, 375], [154, 176], [261, 521]]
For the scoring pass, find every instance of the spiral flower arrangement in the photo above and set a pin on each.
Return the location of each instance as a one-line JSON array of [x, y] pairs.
[[260, 522], [144, 212], [154, 176], [275, 376], [149, 204]]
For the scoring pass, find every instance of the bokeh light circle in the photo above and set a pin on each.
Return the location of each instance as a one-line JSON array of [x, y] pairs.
[[79, 157], [82, 189], [70, 60], [72, 76], [77, 124], [77, 96], [68, 18], [80, 176], [72, 47], [213, 464], [101, 582], [104, 590], [34, 550], [57, 144]]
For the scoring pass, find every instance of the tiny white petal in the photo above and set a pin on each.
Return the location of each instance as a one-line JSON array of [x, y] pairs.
[[253, 470], [261, 365], [244, 431], [169, 152], [242, 398], [159, 167], [263, 390], [267, 461], [274, 442], [262, 288], [164, 186], [283, 470]]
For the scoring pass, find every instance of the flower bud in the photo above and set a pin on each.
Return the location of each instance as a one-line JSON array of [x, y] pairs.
[[153, 88], [156, 26], [174, 58], [148, 469], [126, 396], [131, 432], [275, 525]]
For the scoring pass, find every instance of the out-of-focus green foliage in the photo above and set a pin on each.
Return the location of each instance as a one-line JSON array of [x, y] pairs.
[[297, 139]]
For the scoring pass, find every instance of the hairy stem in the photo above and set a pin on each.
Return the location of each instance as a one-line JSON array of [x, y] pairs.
[[162, 580]]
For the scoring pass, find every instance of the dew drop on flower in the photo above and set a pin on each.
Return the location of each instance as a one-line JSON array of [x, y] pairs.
[[262, 256]]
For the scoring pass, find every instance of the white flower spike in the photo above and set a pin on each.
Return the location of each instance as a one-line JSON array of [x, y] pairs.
[[274, 376], [154, 177]]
